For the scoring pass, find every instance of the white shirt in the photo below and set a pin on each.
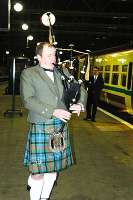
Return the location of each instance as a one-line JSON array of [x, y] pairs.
[[95, 77], [50, 75]]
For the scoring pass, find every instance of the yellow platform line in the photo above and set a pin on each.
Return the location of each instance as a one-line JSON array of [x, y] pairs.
[[117, 118]]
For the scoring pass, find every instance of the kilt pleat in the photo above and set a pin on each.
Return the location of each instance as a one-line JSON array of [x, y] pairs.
[[38, 155]]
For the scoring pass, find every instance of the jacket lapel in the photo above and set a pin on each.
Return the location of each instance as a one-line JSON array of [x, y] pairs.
[[53, 86]]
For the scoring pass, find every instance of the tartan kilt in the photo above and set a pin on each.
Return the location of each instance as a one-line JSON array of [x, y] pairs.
[[38, 155]]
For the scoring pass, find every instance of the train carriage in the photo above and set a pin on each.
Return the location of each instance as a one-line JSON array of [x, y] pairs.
[[117, 71]]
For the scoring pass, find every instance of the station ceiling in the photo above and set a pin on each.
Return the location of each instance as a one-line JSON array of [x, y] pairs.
[[88, 24]]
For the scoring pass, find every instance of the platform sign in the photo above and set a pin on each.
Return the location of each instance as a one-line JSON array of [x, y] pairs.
[[5, 15]]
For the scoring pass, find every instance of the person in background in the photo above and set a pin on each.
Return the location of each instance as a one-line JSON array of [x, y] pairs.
[[94, 87], [47, 151], [76, 68]]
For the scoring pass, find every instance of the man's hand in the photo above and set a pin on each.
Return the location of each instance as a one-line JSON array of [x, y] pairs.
[[76, 108], [62, 114]]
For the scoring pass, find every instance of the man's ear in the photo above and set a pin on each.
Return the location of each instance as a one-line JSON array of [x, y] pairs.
[[38, 57]]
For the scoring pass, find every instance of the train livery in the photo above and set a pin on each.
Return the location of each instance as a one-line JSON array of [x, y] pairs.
[[117, 71]]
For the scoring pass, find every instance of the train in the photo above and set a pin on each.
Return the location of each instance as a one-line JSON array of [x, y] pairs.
[[116, 67]]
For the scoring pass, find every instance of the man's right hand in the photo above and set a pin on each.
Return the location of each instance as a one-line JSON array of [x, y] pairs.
[[62, 114]]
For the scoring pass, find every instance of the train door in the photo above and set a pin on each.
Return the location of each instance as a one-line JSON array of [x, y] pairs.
[[130, 81]]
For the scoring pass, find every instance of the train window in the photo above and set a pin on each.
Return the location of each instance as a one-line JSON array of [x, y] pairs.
[[115, 68], [100, 68], [107, 68], [106, 77], [115, 77], [124, 68], [123, 79]]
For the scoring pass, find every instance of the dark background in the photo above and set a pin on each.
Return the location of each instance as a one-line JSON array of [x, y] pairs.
[[4, 15], [88, 24]]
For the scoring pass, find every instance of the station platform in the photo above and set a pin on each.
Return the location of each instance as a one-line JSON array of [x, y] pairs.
[[103, 153]]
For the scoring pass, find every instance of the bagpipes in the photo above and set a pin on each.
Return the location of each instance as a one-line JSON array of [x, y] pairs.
[[72, 87]]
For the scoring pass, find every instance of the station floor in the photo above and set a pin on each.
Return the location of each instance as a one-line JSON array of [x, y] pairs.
[[103, 152]]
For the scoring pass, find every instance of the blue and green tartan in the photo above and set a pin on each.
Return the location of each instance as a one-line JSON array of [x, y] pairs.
[[38, 156]]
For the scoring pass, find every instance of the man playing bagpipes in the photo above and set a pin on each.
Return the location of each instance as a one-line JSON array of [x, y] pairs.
[[48, 149]]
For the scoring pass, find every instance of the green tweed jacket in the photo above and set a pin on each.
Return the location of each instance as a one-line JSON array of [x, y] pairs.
[[40, 95]]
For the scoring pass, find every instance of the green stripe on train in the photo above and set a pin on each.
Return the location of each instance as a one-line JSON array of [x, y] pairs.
[[125, 91]]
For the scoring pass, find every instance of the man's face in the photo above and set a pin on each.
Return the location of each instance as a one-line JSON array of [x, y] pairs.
[[95, 71], [48, 56]]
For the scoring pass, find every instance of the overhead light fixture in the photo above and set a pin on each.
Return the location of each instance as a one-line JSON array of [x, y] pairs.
[[71, 45], [18, 7], [30, 37], [48, 19], [25, 27], [7, 52]]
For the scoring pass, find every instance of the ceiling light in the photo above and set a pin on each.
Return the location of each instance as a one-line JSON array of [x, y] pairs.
[[7, 52], [48, 19], [18, 7], [30, 37], [25, 27]]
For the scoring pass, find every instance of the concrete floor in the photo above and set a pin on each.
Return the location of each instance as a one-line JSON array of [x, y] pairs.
[[103, 152]]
